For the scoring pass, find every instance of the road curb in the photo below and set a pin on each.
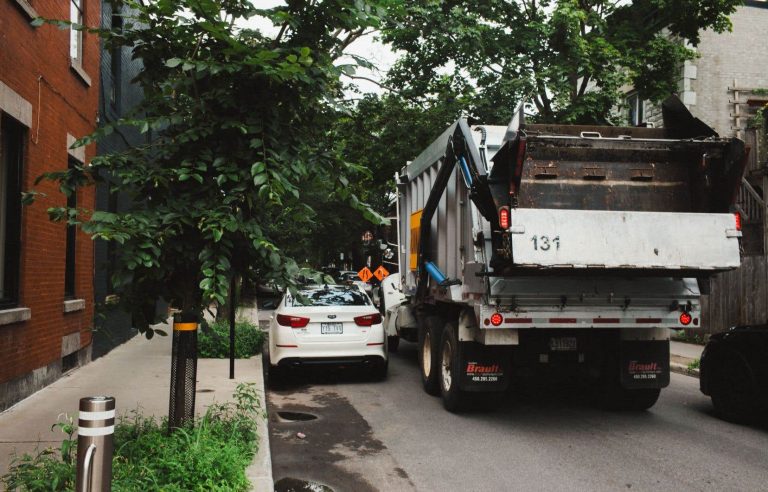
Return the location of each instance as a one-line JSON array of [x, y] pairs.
[[259, 472], [681, 369]]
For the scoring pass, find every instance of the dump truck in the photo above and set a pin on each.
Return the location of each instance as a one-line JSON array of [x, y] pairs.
[[555, 252]]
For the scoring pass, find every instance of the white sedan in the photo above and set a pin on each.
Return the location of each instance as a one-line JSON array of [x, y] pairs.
[[330, 324]]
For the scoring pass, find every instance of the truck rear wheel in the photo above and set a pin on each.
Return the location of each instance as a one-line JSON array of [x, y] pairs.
[[429, 358], [454, 399]]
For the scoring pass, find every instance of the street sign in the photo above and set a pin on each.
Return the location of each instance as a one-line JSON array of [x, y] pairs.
[[381, 273], [365, 274]]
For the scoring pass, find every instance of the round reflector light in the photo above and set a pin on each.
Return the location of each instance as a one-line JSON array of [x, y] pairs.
[[496, 319], [685, 319]]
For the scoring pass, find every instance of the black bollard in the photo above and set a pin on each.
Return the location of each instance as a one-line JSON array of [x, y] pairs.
[[183, 372]]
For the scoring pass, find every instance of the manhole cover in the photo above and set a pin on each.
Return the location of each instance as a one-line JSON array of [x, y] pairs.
[[205, 391], [296, 417], [298, 485]]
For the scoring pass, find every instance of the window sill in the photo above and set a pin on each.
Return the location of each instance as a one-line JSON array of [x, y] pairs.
[[78, 69], [27, 9], [74, 305], [15, 315]]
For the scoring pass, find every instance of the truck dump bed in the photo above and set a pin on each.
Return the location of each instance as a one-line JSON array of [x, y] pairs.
[[616, 198], [580, 200]]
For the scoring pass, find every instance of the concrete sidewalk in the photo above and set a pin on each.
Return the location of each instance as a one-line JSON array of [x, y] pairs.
[[682, 354], [137, 374]]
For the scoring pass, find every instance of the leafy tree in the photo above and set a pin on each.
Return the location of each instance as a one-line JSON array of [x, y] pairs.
[[570, 57], [240, 121]]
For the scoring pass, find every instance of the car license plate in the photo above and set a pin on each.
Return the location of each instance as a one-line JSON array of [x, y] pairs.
[[331, 328], [562, 344]]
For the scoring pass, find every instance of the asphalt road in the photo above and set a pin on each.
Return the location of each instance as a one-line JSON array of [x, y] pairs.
[[393, 436]]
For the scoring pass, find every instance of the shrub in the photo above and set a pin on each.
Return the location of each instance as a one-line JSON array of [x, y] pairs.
[[214, 342], [210, 455]]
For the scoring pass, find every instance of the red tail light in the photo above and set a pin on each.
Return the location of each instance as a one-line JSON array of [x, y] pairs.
[[504, 218], [737, 216], [292, 321], [496, 319], [685, 319], [368, 319]]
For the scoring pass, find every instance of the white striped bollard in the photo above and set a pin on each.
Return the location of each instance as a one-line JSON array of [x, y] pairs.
[[95, 445]]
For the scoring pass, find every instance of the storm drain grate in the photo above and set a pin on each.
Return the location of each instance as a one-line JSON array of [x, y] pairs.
[[298, 485], [296, 416]]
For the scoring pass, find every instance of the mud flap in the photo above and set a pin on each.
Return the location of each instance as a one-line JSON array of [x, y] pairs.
[[644, 364], [484, 368]]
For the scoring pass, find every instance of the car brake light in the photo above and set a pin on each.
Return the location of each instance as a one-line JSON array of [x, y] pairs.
[[368, 319], [504, 218], [685, 319], [292, 321], [737, 216], [496, 319]]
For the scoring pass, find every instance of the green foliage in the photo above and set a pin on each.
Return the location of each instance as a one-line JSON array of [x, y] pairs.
[[571, 58], [214, 342], [694, 364], [696, 338], [239, 124], [211, 455]]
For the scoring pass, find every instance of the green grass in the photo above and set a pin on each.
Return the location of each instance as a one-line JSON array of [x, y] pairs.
[[210, 455], [681, 336], [214, 343], [694, 365]]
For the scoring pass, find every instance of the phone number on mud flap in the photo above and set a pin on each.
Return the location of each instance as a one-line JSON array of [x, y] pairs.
[[483, 379], [643, 376]]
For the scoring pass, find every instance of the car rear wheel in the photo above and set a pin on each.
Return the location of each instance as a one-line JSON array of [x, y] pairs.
[[732, 389], [429, 358], [273, 375], [379, 370]]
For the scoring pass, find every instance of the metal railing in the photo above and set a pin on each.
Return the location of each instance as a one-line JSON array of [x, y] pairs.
[[750, 203]]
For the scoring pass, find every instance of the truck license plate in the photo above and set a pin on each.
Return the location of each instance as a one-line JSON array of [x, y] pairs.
[[331, 328], [562, 344]]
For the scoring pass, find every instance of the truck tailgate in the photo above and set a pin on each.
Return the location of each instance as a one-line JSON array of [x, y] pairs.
[[557, 238]]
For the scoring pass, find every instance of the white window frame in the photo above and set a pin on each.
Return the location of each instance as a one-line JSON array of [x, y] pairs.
[[76, 16]]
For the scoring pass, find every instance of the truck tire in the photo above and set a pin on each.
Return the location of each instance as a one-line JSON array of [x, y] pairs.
[[454, 400], [392, 343], [429, 357], [732, 389]]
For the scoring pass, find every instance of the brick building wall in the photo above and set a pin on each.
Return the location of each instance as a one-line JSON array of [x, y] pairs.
[[54, 102]]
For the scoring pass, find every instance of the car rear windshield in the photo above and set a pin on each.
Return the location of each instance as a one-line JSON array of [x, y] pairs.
[[328, 297]]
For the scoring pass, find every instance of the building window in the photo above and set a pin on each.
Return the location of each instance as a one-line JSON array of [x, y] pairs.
[[636, 110], [12, 138], [75, 36], [69, 268]]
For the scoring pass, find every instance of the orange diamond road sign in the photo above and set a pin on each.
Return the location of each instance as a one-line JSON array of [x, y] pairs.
[[365, 274], [380, 273]]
